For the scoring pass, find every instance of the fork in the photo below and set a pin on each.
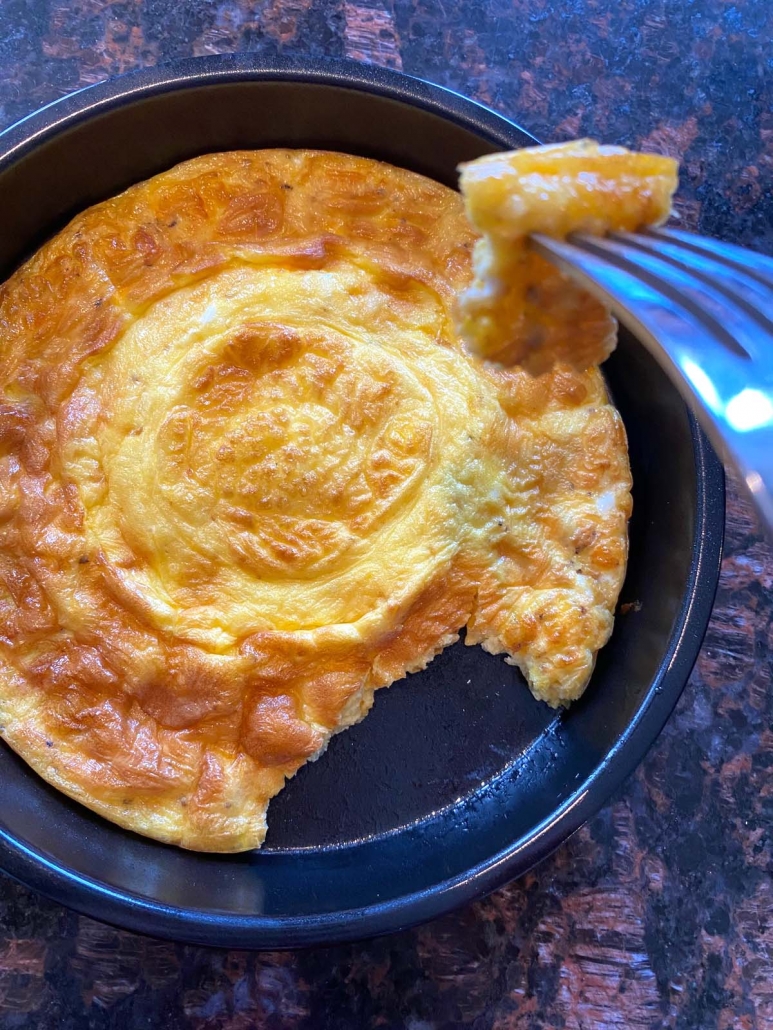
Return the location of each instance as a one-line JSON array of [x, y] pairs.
[[704, 310]]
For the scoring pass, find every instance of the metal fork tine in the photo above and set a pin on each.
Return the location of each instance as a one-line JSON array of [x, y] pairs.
[[731, 321], [747, 290], [756, 265], [731, 392], [644, 308]]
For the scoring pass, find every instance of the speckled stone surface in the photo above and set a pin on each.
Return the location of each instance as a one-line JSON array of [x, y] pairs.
[[659, 913]]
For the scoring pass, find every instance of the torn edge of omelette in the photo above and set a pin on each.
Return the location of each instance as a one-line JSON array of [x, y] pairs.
[[520, 309]]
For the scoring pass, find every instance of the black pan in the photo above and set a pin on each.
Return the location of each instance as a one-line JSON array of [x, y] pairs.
[[458, 780]]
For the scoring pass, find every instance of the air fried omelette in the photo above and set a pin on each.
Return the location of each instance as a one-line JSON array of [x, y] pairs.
[[249, 474]]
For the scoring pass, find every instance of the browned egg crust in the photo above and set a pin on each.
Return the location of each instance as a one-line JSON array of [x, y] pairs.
[[248, 475]]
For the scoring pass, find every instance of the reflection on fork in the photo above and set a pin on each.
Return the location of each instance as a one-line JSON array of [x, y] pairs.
[[704, 309]]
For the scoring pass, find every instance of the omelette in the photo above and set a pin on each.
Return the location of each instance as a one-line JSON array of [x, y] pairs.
[[519, 309], [250, 473]]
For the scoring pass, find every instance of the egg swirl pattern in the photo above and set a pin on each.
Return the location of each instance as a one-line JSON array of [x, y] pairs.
[[249, 475]]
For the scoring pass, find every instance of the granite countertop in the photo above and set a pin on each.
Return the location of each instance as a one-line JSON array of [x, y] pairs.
[[659, 913]]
